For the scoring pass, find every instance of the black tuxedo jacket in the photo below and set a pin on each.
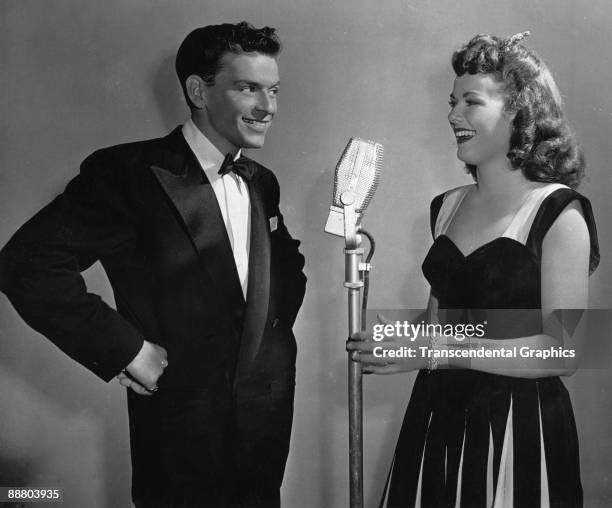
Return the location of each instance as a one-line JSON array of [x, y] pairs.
[[147, 211]]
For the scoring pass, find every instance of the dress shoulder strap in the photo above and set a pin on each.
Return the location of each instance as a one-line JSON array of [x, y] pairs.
[[522, 222], [547, 213], [443, 208], [434, 210]]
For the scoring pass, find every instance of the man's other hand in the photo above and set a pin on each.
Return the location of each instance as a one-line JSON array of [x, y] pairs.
[[145, 369]]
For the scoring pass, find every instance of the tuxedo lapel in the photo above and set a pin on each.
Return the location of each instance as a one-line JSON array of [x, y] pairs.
[[258, 291], [185, 183]]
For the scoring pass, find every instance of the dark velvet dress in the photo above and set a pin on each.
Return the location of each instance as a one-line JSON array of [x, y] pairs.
[[474, 439]]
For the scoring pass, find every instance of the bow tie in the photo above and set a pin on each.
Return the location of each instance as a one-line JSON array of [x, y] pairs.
[[241, 167]]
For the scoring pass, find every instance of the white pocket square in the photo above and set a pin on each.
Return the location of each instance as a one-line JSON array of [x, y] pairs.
[[273, 223]]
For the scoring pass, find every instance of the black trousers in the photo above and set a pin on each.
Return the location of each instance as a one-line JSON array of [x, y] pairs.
[[199, 448]]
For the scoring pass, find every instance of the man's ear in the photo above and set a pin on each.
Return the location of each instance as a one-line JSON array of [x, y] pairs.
[[195, 87]]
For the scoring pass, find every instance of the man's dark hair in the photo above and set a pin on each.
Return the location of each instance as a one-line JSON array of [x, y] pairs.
[[201, 51]]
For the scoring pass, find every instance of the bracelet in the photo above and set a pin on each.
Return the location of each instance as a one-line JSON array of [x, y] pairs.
[[432, 360]]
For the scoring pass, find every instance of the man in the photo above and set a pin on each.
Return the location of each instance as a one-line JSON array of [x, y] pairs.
[[206, 278]]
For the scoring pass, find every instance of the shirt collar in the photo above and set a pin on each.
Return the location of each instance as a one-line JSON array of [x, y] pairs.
[[208, 155]]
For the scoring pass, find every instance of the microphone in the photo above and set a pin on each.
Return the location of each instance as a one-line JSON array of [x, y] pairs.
[[355, 181], [356, 178]]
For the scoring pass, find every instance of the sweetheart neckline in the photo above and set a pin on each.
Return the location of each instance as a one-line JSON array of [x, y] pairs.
[[481, 247]]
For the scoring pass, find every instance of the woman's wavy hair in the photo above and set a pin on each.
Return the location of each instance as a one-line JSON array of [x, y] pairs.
[[542, 144]]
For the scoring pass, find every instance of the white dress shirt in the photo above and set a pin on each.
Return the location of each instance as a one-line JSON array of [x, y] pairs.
[[232, 196]]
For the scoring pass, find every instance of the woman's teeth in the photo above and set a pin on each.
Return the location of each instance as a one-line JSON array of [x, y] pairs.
[[464, 135]]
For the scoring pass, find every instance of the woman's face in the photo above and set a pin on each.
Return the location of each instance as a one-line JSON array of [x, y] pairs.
[[482, 128]]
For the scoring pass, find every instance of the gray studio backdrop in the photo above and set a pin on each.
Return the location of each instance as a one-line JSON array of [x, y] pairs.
[[77, 76]]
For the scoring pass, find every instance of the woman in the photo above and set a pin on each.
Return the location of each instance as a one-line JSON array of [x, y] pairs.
[[482, 431]]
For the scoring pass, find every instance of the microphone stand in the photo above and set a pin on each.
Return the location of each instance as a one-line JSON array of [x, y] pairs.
[[353, 254]]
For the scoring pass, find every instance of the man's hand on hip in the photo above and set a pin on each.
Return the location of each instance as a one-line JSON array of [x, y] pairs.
[[145, 369]]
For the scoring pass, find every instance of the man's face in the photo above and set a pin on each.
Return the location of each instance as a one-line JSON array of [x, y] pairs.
[[240, 106]]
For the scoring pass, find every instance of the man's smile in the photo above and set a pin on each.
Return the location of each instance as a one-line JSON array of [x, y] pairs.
[[257, 125]]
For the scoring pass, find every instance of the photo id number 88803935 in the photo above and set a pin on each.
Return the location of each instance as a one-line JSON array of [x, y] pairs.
[[30, 494]]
